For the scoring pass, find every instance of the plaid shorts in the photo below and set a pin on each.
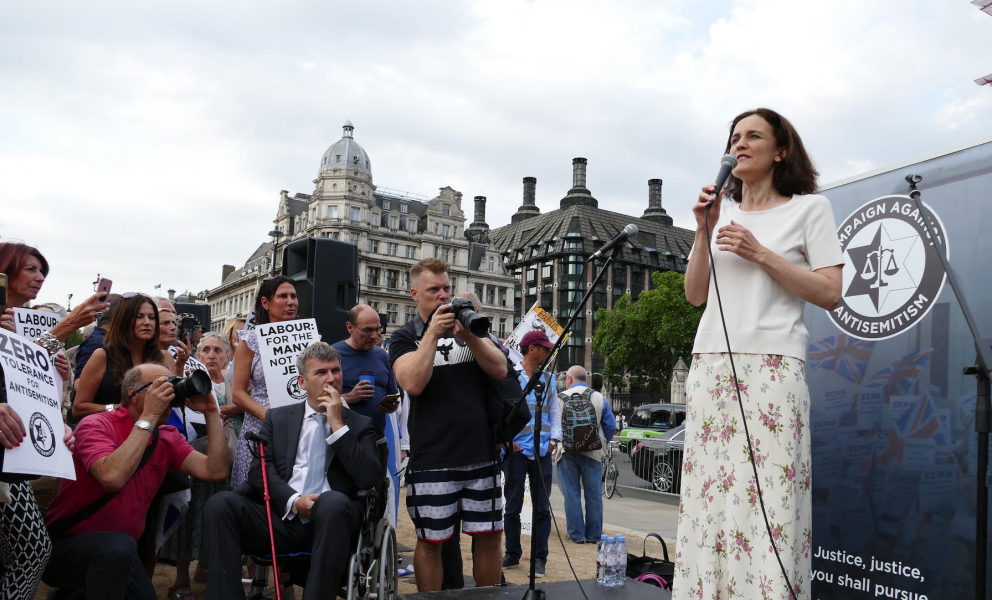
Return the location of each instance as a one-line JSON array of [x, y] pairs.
[[438, 498]]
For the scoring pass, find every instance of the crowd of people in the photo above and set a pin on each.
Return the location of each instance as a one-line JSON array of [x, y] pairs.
[[769, 234], [133, 451]]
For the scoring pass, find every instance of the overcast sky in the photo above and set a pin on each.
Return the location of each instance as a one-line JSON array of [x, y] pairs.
[[148, 141]]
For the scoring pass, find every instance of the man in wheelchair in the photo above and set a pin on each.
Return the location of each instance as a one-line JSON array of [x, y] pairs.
[[319, 454]]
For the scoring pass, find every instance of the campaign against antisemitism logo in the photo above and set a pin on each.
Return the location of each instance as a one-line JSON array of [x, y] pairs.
[[893, 274], [294, 390], [42, 435]]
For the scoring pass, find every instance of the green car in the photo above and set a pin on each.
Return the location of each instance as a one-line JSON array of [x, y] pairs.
[[648, 421]]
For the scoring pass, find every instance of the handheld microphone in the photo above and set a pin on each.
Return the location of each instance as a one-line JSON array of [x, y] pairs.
[[628, 232], [727, 164]]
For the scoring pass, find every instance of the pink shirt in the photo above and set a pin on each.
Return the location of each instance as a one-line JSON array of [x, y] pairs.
[[98, 436]]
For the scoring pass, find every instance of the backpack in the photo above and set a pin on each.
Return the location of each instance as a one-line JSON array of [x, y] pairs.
[[579, 425]]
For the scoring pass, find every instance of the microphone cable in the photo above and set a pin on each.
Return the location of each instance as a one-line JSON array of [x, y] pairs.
[[740, 403]]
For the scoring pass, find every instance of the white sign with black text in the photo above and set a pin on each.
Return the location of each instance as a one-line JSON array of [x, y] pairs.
[[279, 344], [32, 323], [34, 391]]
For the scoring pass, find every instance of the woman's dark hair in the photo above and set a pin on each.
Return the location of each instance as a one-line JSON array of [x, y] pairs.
[[793, 175], [13, 256], [120, 335], [268, 289]]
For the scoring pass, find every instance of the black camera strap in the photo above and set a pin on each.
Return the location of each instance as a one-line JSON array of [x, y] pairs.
[[57, 529]]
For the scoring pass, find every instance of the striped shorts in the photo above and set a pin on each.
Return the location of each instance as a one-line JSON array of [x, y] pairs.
[[438, 498]]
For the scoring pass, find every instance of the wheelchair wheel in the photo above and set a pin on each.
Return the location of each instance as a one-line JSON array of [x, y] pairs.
[[356, 581], [386, 578]]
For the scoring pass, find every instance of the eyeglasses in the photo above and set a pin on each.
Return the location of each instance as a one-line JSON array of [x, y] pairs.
[[140, 389], [369, 330]]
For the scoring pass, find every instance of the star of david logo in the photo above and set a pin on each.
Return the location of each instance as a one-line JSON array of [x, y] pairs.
[[881, 267]]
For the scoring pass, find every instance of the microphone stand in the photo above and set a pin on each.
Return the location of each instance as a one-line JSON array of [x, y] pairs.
[[536, 384], [983, 409]]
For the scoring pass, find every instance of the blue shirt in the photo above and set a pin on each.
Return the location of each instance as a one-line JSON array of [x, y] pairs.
[[550, 416], [87, 348], [376, 360], [608, 421]]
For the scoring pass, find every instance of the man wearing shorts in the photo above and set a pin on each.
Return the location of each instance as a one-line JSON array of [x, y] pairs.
[[452, 473]]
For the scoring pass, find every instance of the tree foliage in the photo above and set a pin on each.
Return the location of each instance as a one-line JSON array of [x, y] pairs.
[[645, 338]]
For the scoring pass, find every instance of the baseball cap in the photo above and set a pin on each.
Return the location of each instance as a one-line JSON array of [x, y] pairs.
[[536, 338]]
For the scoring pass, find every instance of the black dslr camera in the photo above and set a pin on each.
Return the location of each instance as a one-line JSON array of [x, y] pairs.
[[187, 324], [475, 322], [197, 384]]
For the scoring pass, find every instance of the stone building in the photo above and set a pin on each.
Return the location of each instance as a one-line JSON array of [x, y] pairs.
[[546, 252], [392, 230]]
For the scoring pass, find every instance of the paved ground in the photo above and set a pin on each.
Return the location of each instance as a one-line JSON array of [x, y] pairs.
[[631, 512]]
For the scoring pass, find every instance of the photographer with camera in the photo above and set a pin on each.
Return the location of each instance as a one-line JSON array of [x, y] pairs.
[[444, 361], [121, 458]]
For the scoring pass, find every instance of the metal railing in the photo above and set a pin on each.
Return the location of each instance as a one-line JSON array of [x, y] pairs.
[[645, 467]]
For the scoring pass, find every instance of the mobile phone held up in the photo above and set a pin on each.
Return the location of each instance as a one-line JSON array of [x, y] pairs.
[[103, 288]]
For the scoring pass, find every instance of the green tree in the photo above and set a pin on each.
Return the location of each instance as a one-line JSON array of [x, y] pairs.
[[645, 338]]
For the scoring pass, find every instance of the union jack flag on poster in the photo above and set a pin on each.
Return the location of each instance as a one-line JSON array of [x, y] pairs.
[[844, 355], [920, 423], [899, 378]]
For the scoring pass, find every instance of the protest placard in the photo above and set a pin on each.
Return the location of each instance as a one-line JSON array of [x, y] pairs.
[[32, 323], [191, 365], [870, 402], [938, 487], [835, 400], [279, 344], [536, 319], [34, 391]]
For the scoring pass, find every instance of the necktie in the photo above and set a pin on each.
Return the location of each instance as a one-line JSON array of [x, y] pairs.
[[314, 481]]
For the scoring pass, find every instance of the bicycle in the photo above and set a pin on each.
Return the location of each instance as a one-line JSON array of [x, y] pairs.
[[610, 471]]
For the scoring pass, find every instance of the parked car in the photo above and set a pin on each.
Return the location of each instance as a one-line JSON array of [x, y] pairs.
[[658, 460], [648, 421]]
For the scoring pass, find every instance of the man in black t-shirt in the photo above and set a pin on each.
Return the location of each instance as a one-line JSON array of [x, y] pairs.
[[452, 473]]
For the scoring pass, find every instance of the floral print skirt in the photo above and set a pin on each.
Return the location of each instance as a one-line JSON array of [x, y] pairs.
[[724, 550]]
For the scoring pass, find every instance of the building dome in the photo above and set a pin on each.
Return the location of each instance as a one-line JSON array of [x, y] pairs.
[[346, 153]]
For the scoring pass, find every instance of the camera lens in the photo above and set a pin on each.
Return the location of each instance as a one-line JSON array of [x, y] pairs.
[[197, 384]]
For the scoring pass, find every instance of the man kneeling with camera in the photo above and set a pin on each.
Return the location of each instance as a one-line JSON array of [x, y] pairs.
[[121, 458]]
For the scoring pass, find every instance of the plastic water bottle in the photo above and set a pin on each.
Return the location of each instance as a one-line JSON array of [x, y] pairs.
[[601, 560], [610, 551], [620, 578]]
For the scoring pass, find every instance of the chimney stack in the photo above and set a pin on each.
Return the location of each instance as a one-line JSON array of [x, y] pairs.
[[529, 208], [479, 224], [579, 173], [579, 195], [654, 211], [225, 271]]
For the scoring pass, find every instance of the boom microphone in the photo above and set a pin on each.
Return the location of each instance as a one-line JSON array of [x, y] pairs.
[[628, 232], [727, 164]]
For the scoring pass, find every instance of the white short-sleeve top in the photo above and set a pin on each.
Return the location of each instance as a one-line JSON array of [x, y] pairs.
[[762, 316]]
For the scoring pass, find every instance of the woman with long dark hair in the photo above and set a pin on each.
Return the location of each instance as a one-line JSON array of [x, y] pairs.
[[132, 339], [276, 301], [775, 247]]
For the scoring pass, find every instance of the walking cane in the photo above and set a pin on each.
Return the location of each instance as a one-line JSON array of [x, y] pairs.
[[253, 437]]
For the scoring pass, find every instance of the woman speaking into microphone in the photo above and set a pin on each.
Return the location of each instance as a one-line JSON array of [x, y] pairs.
[[774, 248]]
